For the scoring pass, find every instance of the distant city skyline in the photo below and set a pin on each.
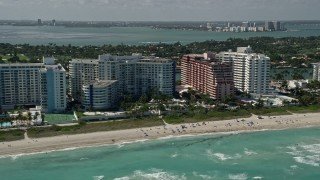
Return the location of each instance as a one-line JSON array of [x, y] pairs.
[[160, 10]]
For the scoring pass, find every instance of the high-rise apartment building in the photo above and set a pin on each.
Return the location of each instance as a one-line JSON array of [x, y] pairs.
[[19, 84], [121, 68], [156, 74], [135, 75], [207, 75], [277, 25], [39, 22], [316, 71], [273, 26], [33, 84], [53, 87], [251, 71], [81, 72]]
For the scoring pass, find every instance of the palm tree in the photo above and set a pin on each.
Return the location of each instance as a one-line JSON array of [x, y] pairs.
[[19, 115], [29, 116], [42, 118]]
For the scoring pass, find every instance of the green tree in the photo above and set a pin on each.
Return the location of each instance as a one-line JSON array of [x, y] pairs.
[[42, 118], [29, 116]]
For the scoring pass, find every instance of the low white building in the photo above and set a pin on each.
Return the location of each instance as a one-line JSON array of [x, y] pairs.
[[100, 94], [297, 83]]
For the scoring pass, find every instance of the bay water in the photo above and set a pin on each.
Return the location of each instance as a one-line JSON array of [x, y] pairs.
[[43, 35], [276, 154]]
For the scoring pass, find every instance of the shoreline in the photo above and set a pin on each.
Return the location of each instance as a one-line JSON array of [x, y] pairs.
[[30, 146]]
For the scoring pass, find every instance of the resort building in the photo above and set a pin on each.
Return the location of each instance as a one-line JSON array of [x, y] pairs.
[[316, 71], [207, 75], [81, 72], [100, 94], [121, 68], [156, 74], [136, 74], [33, 84], [251, 71]]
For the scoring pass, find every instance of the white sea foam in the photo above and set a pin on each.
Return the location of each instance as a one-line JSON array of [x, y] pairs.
[[202, 176], [312, 148], [98, 177], [120, 145], [153, 174], [141, 140], [167, 137], [294, 167], [309, 160], [294, 151], [248, 152], [257, 177], [122, 178], [174, 155], [242, 176], [14, 157], [222, 156], [306, 154]]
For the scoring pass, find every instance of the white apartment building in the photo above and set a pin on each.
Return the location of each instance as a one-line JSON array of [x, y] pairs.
[[157, 74], [81, 72], [121, 68], [53, 88], [251, 70], [100, 94], [19, 84], [136, 74], [316, 71], [33, 84]]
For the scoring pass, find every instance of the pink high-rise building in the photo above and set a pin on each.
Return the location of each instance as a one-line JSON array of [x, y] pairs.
[[207, 75]]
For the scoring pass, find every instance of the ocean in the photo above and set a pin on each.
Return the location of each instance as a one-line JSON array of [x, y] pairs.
[[43, 35], [277, 154]]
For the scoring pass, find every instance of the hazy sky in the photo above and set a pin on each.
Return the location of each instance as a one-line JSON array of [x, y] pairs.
[[164, 10]]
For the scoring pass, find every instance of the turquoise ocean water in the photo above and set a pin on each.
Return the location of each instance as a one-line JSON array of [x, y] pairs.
[[280, 154]]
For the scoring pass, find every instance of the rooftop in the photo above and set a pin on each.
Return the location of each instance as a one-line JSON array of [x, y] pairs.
[[101, 83], [87, 61]]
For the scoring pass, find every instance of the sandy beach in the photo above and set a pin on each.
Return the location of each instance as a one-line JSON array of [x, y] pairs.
[[253, 123]]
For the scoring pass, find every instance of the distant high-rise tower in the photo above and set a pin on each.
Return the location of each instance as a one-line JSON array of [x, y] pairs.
[[269, 26], [245, 24], [316, 71], [39, 22], [276, 25]]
